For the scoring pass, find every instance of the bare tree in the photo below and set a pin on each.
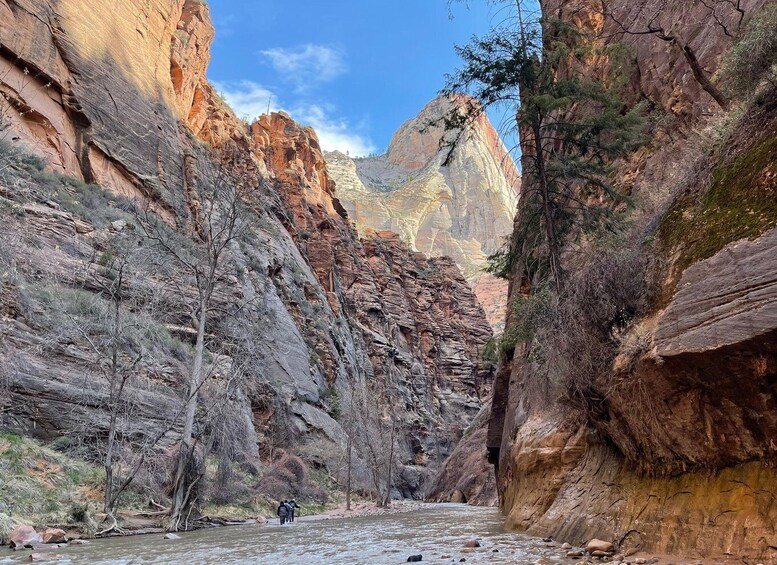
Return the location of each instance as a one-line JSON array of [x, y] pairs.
[[116, 370], [374, 426], [203, 264], [112, 322], [349, 468]]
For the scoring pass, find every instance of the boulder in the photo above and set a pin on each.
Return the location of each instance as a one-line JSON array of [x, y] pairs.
[[54, 535], [600, 545], [415, 558], [172, 536], [472, 543], [23, 536]]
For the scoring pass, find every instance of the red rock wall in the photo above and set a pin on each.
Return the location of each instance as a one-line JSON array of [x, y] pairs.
[[680, 457], [115, 93]]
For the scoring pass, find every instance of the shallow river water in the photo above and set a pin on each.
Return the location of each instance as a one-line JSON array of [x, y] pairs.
[[437, 531]]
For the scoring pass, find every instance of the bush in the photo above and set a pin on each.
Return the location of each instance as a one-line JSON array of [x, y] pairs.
[[600, 302], [41, 486], [289, 478], [753, 58], [7, 525], [572, 340], [500, 263]]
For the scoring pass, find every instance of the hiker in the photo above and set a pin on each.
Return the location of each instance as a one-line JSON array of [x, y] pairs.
[[290, 510], [294, 507], [283, 512]]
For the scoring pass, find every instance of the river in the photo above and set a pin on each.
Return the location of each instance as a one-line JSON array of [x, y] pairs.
[[436, 531]]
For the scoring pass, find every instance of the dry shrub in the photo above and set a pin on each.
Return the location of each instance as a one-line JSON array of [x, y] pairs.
[[295, 467], [7, 524], [753, 58], [576, 339], [289, 478]]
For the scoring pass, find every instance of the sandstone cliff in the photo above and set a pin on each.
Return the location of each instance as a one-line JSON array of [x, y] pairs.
[[677, 452], [462, 209], [115, 94]]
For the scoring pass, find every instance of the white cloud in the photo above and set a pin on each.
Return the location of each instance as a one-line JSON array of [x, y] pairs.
[[307, 65], [249, 100], [333, 133]]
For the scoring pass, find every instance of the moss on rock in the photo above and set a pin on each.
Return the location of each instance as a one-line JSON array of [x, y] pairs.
[[741, 203]]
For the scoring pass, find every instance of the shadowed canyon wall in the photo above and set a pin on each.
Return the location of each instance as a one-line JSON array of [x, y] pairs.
[[678, 454]]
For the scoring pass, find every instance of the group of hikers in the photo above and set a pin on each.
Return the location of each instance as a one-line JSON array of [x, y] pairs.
[[286, 510]]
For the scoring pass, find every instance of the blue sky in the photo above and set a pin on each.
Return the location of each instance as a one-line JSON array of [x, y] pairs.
[[353, 69]]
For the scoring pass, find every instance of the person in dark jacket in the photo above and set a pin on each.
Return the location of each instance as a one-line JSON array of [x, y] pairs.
[[293, 507], [290, 510], [283, 512]]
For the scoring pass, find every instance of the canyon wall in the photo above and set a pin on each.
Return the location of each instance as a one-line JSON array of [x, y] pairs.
[[115, 94], [455, 202], [678, 453]]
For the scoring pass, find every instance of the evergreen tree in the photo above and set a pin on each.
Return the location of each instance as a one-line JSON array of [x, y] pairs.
[[571, 130]]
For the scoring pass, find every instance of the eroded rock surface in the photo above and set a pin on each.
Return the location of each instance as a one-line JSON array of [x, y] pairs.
[[116, 94], [467, 475]]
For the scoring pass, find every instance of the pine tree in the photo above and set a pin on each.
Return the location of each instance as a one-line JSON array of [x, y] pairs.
[[571, 130]]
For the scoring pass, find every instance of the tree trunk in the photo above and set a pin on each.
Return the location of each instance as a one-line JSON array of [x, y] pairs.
[[387, 498], [108, 496], [181, 487], [701, 77], [116, 389], [554, 254], [348, 476]]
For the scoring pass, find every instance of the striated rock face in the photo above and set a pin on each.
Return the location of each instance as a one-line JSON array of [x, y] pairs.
[[115, 94], [678, 454], [418, 317], [462, 210], [467, 475]]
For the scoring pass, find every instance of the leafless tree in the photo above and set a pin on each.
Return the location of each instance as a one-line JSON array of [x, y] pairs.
[[204, 264], [374, 427], [101, 309]]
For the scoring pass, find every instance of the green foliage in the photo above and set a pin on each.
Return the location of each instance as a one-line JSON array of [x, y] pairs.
[[572, 129], [499, 263], [182, 36], [741, 203], [753, 58], [41, 486], [533, 312], [530, 315], [332, 398], [89, 202]]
